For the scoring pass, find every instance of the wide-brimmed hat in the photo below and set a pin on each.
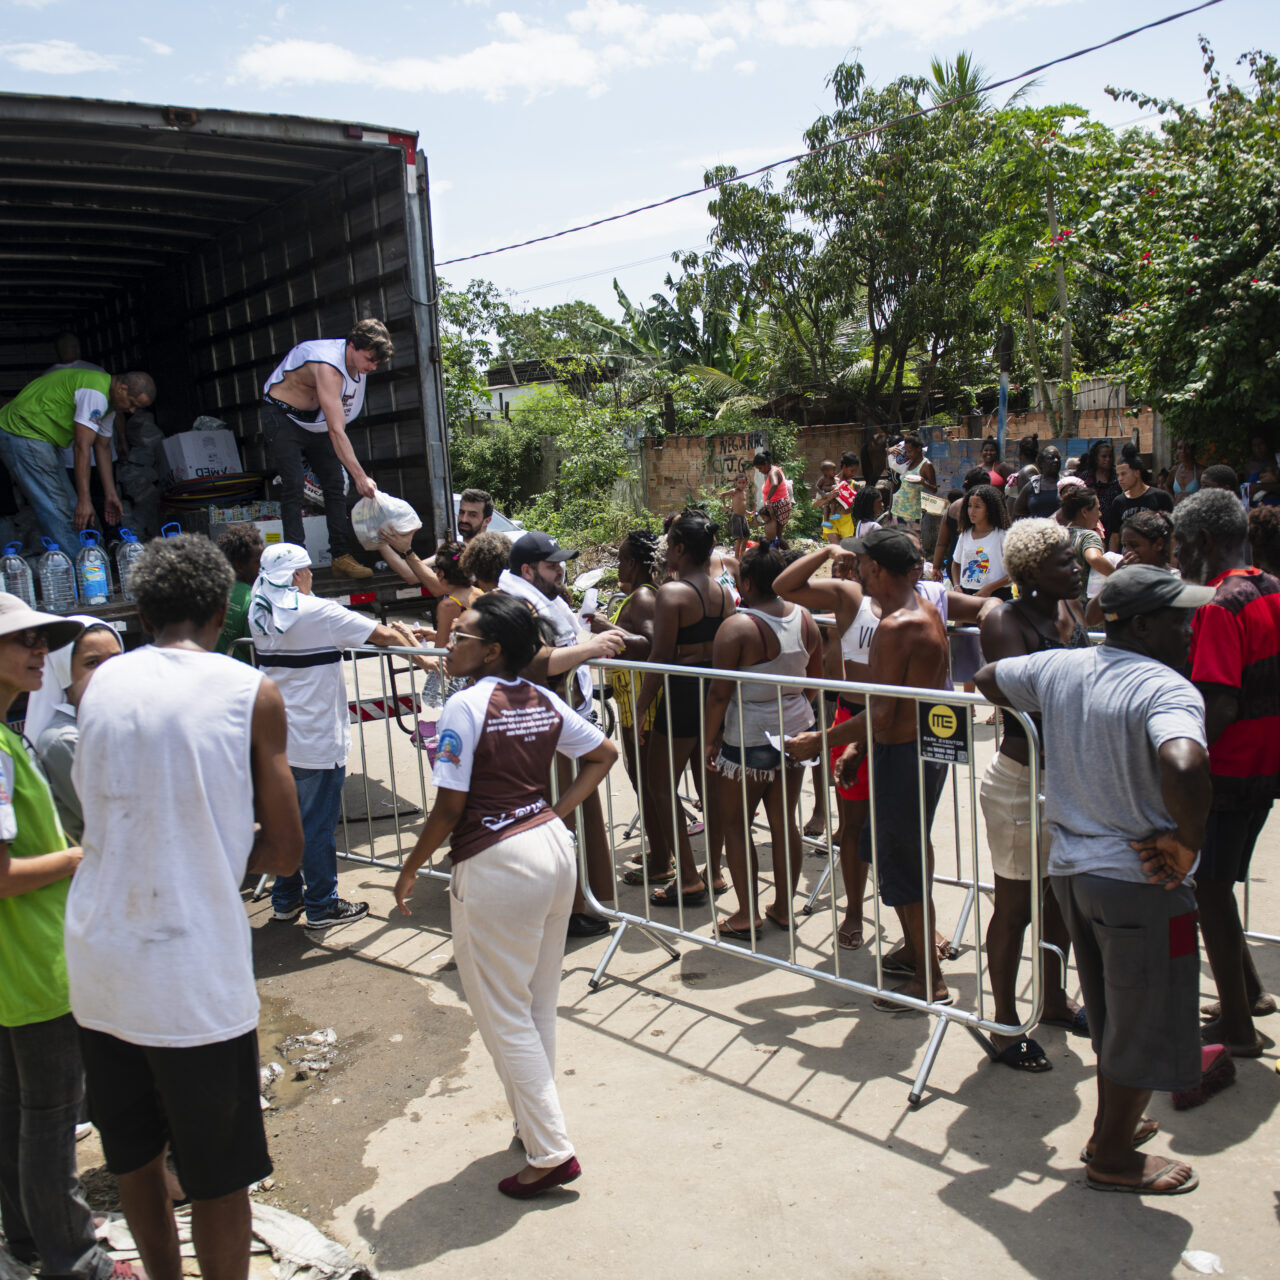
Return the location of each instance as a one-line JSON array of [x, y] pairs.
[[17, 615]]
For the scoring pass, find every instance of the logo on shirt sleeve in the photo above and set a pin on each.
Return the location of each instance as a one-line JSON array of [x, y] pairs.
[[449, 748]]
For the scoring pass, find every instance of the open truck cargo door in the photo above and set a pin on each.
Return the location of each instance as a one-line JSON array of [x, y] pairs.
[[202, 245]]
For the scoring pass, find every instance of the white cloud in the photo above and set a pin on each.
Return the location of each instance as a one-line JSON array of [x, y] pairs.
[[604, 38], [56, 57], [156, 47]]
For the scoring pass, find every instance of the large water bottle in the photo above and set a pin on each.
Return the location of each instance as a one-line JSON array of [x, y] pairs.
[[57, 578], [17, 575], [170, 530], [127, 554], [93, 569]]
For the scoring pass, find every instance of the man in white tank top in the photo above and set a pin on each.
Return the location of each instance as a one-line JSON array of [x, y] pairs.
[[309, 399], [181, 752]]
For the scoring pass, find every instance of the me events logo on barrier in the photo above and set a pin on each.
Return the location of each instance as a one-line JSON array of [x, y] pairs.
[[943, 733]]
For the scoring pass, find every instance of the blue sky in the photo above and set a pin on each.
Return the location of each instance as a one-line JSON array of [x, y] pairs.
[[536, 115]]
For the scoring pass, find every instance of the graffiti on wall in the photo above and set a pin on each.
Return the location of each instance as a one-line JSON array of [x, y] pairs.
[[729, 456]]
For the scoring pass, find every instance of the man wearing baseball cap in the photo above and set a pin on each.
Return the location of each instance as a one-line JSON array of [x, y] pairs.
[[535, 574], [1127, 802], [300, 639]]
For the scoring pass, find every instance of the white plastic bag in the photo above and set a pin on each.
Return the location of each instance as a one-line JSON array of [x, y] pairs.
[[375, 517]]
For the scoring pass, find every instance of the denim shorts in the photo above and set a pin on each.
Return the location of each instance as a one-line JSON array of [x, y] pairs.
[[761, 763]]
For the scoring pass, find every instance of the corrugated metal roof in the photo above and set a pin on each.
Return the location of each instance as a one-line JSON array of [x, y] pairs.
[[95, 195]]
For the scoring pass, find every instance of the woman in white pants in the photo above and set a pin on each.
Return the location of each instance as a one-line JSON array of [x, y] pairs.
[[514, 868]]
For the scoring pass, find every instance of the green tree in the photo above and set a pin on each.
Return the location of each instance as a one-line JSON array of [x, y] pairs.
[[1191, 223], [469, 320], [1032, 266], [565, 331]]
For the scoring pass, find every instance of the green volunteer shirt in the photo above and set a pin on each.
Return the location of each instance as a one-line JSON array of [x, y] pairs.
[[236, 626], [46, 408], [33, 967]]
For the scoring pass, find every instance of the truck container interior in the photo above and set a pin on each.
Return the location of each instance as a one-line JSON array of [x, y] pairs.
[[200, 246]]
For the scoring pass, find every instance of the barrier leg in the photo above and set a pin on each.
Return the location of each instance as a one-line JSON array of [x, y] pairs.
[[260, 890], [807, 909], [598, 977], [930, 1054]]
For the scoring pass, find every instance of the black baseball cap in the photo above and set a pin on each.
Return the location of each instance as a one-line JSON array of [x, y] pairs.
[[892, 548], [529, 548], [1146, 588]]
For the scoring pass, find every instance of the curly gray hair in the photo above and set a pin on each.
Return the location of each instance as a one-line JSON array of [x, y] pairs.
[[1028, 544], [182, 579], [1216, 512]]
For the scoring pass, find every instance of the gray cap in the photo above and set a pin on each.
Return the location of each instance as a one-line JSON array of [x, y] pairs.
[[1145, 588]]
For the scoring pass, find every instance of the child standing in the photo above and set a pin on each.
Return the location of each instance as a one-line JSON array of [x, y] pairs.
[[738, 528], [823, 498]]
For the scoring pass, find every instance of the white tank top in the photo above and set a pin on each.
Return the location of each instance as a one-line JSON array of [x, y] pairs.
[[331, 351], [157, 938], [855, 644], [760, 701]]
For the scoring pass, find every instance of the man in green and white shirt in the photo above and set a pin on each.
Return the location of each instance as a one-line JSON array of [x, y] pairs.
[[75, 407]]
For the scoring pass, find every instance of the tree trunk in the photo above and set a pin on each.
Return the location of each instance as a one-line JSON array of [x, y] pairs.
[[1033, 341], [1068, 418]]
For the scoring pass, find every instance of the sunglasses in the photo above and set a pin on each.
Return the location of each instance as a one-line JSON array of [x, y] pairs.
[[30, 638], [455, 636]]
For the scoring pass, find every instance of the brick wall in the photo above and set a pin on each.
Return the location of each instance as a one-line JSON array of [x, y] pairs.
[[676, 469]]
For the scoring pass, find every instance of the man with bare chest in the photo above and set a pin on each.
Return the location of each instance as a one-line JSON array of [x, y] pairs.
[[910, 649], [308, 402]]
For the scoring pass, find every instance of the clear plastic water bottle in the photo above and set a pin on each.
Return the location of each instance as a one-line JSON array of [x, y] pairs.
[[17, 575], [57, 578], [93, 569], [127, 554], [170, 530]]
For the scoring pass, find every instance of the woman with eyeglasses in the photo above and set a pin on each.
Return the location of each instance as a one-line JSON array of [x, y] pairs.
[[514, 869], [41, 1075]]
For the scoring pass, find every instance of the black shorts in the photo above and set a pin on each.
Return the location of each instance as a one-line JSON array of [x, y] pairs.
[[1229, 838], [895, 801], [739, 530], [680, 716], [203, 1101], [1138, 960]]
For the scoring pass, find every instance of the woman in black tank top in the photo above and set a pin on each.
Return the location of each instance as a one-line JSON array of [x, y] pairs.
[[1046, 615], [688, 612]]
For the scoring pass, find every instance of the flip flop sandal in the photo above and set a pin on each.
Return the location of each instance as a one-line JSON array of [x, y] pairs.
[[720, 892], [1025, 1055], [1143, 1134], [1147, 1186], [668, 897], [636, 876], [739, 935], [899, 965], [948, 952], [842, 934], [1077, 1024]]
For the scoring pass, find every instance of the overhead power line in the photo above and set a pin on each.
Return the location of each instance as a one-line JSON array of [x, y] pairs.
[[838, 142]]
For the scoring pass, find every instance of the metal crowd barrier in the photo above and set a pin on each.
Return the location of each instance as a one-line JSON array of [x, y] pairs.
[[400, 694], [955, 713]]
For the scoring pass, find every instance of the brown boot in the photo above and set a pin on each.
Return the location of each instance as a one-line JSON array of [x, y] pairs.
[[349, 567]]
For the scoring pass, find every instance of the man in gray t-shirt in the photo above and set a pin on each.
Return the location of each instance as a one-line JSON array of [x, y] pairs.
[[1127, 793]]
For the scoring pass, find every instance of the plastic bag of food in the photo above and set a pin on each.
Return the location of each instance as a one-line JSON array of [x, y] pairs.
[[374, 518]]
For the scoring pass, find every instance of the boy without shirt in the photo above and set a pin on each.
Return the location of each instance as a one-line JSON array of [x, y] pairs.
[[739, 530]]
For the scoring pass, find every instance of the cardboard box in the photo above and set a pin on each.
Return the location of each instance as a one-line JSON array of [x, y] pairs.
[[199, 455], [315, 530]]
